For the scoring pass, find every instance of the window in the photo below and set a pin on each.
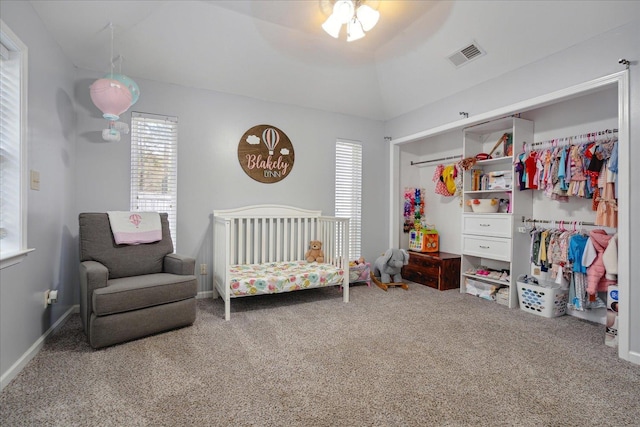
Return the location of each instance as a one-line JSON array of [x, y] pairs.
[[349, 191], [13, 144], [154, 165]]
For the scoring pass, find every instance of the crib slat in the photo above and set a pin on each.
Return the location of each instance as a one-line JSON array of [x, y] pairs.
[[240, 241], [232, 242]]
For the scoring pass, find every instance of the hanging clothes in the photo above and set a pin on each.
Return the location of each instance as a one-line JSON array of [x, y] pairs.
[[449, 174], [440, 189], [596, 271]]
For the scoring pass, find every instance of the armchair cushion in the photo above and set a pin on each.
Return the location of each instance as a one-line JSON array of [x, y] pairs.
[[134, 293]]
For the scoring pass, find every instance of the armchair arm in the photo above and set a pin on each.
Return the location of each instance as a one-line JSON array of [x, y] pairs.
[[179, 264], [93, 275]]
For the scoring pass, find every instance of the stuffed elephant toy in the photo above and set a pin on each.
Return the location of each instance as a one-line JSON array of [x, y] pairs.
[[390, 264]]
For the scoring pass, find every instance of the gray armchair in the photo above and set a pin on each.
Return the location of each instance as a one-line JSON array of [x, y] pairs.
[[131, 291]]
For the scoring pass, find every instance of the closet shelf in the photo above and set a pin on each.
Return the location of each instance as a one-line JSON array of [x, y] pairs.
[[488, 191], [496, 161]]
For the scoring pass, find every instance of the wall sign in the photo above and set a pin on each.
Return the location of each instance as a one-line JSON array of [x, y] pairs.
[[266, 154]]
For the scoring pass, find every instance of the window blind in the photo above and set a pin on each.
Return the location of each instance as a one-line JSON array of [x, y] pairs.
[[154, 165], [10, 151], [348, 193]]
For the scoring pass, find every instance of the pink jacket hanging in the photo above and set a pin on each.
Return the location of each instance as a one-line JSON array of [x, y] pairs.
[[596, 279]]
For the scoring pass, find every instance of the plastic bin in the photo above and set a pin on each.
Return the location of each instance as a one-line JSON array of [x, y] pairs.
[[542, 300]]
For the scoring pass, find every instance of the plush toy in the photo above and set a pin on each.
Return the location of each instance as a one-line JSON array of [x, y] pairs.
[[315, 252], [390, 264]]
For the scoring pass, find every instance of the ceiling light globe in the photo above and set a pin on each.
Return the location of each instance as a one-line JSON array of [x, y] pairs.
[[354, 30], [343, 10], [332, 26], [368, 17]]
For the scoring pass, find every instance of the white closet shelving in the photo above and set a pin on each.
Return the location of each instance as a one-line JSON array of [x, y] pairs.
[[490, 239]]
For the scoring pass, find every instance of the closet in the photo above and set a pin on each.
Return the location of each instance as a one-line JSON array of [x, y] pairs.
[[501, 240]]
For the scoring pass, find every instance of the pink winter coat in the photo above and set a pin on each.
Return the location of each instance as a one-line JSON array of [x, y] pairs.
[[596, 279]]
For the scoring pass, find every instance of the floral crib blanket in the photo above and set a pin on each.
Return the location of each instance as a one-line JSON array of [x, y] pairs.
[[276, 277]]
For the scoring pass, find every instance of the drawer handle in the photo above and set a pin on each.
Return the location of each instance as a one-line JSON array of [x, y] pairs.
[[484, 247], [485, 225]]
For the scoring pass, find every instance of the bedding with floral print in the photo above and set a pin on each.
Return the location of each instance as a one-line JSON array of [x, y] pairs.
[[254, 279]]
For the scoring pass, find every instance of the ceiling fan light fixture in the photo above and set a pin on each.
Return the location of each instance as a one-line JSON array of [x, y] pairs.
[[357, 16]]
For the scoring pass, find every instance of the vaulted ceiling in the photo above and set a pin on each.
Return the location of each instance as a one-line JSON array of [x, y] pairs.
[[276, 50]]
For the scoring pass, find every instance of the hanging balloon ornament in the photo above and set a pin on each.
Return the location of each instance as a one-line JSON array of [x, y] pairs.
[[113, 94], [270, 137]]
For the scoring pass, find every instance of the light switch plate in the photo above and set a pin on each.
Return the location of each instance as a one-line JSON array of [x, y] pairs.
[[35, 180]]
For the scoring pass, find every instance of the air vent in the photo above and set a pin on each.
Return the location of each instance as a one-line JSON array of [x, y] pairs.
[[466, 54]]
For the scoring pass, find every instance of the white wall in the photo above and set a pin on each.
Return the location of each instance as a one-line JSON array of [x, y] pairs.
[[210, 125], [583, 62], [51, 211], [441, 211]]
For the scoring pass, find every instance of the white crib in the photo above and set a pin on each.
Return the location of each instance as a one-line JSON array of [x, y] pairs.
[[260, 250]]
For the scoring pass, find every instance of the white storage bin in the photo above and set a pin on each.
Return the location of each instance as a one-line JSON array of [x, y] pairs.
[[544, 301]]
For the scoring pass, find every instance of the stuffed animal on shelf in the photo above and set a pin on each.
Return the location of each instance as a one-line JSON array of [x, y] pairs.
[[390, 264], [315, 252]]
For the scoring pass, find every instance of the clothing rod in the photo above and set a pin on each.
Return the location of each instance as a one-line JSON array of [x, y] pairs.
[[579, 138], [517, 116], [442, 159], [549, 221]]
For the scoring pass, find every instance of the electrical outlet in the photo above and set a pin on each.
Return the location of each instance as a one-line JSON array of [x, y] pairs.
[[46, 298], [203, 269]]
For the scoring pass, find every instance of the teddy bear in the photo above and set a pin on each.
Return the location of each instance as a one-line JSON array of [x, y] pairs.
[[315, 252]]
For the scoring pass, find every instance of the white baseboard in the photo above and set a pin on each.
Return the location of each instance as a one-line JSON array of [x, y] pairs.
[[633, 357], [206, 294], [15, 369]]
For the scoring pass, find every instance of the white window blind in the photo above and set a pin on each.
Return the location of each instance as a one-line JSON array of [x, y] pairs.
[[13, 87], [349, 191], [154, 165]]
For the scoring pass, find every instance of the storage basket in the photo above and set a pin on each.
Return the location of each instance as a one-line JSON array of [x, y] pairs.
[[541, 300]]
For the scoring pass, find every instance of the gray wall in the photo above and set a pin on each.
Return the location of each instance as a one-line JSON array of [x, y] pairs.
[[210, 125], [586, 61], [52, 220]]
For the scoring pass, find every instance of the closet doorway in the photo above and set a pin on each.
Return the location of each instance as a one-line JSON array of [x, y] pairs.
[[627, 333]]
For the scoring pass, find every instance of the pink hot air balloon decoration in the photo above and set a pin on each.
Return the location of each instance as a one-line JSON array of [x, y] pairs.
[[270, 137], [111, 97]]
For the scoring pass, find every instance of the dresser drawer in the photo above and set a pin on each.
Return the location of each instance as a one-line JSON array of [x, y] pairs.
[[424, 262], [497, 225], [487, 247], [423, 276]]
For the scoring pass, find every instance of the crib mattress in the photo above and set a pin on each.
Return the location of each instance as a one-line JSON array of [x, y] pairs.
[[276, 277]]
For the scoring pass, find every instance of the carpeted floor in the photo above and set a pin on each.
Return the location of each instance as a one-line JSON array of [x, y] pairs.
[[398, 358]]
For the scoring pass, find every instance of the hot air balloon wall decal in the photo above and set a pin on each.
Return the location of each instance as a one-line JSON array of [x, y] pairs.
[[266, 154], [114, 94]]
